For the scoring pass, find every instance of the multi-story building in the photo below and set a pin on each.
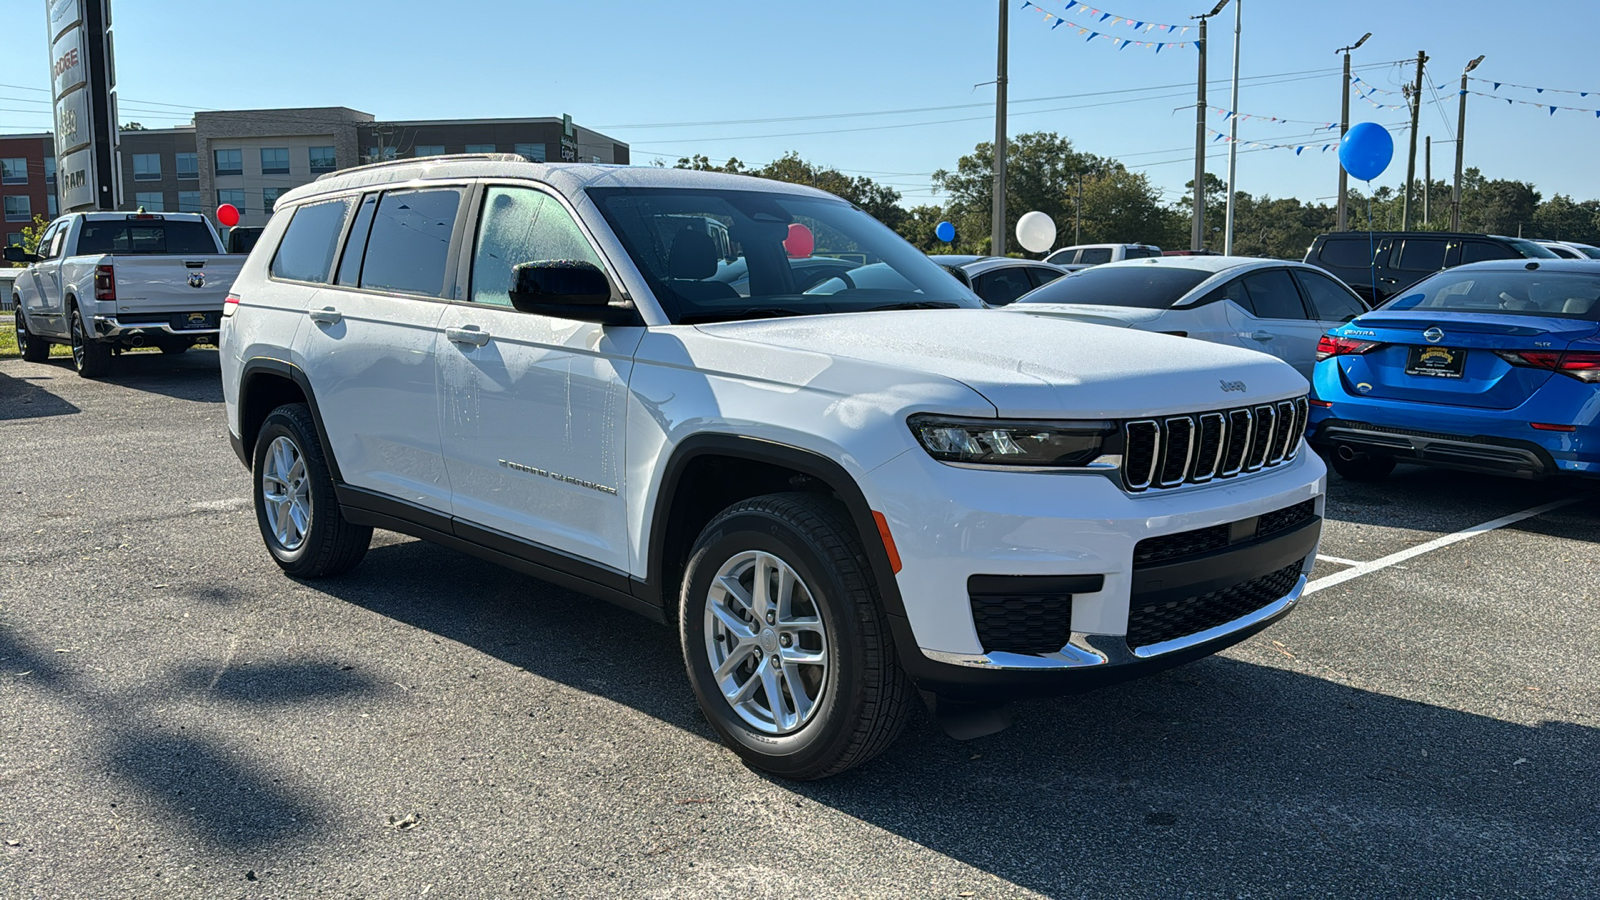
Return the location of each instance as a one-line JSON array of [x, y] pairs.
[[250, 157]]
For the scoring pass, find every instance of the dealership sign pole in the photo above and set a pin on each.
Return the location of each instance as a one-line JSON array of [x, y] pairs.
[[83, 84]]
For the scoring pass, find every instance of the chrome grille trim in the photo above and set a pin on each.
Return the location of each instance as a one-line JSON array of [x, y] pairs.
[[1168, 452]]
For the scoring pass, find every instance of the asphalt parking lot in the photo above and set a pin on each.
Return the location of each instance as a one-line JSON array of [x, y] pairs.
[[179, 719]]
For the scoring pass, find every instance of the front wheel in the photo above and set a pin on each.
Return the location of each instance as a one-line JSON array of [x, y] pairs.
[[91, 358], [1363, 468], [785, 640], [33, 348], [299, 515]]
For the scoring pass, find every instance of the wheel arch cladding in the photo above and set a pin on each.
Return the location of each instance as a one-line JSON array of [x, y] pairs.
[[265, 385]]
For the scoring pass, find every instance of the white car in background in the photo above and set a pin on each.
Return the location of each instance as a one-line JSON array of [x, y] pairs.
[[1082, 256], [1281, 308], [999, 280], [1571, 249]]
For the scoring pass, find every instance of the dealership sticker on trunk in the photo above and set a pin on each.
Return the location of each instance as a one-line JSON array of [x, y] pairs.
[[1437, 362]]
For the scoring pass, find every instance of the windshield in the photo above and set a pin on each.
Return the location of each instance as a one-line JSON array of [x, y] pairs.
[[1591, 252], [713, 255], [1565, 295], [145, 237], [1531, 250], [1143, 286]]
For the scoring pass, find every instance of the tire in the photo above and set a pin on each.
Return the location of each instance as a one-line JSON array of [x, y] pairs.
[[860, 697], [91, 358], [1362, 468], [319, 541], [173, 348], [33, 348]]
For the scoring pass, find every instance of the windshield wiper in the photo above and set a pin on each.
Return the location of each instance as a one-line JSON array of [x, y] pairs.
[[915, 304], [750, 312]]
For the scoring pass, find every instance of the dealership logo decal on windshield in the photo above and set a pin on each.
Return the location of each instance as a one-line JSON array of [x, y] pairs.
[[556, 476]]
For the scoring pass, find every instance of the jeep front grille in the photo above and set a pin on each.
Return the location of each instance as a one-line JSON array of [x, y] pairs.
[[1193, 449]]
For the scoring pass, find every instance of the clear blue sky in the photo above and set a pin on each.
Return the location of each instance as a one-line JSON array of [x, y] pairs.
[[618, 66]]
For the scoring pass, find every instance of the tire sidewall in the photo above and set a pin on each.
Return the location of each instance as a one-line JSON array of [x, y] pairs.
[[819, 739], [278, 425]]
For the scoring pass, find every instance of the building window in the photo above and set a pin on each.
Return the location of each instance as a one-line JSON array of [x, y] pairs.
[[13, 239], [189, 201], [274, 160], [530, 152], [480, 148], [429, 150], [188, 165], [230, 162], [269, 197], [234, 197], [50, 202], [147, 167], [14, 171], [18, 210], [49, 170], [323, 160], [149, 201]]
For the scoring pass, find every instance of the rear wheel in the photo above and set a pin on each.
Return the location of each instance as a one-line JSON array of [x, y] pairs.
[[33, 349], [91, 358], [785, 640], [173, 348], [299, 515], [1363, 468]]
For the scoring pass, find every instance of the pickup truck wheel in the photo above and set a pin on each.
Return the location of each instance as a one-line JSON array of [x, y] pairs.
[[785, 640], [173, 348], [91, 358], [300, 519], [33, 349]]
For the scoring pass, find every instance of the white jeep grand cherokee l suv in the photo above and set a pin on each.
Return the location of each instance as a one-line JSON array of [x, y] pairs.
[[839, 495]]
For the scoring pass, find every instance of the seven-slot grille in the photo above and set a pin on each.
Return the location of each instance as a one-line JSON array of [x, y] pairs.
[[1194, 449]]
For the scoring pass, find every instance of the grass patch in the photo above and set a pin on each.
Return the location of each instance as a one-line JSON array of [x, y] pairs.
[[8, 344]]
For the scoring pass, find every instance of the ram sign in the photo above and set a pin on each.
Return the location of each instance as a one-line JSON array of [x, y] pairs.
[[83, 83]]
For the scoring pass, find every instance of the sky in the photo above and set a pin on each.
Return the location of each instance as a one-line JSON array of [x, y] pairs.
[[754, 80]]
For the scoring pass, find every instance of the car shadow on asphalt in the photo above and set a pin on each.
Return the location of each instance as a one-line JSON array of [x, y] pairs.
[[21, 398], [1167, 785], [194, 375], [1444, 501]]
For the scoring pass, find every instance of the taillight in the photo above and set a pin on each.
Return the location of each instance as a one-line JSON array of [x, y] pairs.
[[1333, 345], [230, 305], [1583, 365], [105, 283]]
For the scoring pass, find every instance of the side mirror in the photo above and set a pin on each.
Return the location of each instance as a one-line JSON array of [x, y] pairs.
[[17, 254], [568, 289]]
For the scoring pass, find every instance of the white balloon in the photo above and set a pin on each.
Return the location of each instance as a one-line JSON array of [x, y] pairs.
[[1035, 232]]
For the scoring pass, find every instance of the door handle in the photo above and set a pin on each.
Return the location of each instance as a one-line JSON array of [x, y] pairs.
[[471, 334], [1259, 336], [325, 316]]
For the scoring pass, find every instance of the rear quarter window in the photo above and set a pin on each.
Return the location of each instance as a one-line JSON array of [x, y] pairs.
[[308, 245], [1346, 252]]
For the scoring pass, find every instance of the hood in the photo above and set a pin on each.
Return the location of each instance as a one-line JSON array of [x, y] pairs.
[[1037, 366], [1120, 316]]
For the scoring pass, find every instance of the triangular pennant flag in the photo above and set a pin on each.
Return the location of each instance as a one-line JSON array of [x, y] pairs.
[[1149, 26], [1092, 36], [1199, 46], [1297, 150], [1159, 46], [1538, 90], [1105, 17], [1071, 4], [1125, 43], [1138, 25], [1583, 93], [1552, 110], [1026, 4], [1057, 24], [1497, 85]]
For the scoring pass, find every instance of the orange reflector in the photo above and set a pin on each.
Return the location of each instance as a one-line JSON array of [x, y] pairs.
[[1538, 426], [888, 541]]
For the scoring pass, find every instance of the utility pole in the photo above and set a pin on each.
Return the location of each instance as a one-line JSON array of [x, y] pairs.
[[1411, 155], [1197, 232], [1077, 213], [1233, 135], [1461, 137], [1344, 125], [1427, 177], [997, 228]]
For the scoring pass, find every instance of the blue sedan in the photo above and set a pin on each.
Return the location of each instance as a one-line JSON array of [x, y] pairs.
[[1489, 367]]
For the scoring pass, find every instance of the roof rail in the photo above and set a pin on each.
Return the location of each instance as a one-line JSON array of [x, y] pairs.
[[415, 160]]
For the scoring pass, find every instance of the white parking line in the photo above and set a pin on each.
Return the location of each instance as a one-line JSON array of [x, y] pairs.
[[1385, 562], [1337, 561]]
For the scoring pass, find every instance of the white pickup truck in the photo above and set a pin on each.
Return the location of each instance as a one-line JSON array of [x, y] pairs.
[[103, 282]]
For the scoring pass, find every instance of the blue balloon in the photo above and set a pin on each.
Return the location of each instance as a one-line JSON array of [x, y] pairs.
[[1366, 150], [945, 231]]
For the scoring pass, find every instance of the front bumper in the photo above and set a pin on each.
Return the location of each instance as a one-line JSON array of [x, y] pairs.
[[115, 328], [955, 527]]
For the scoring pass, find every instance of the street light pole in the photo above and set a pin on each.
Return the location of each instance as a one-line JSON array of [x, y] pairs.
[[997, 228], [1461, 138], [1197, 232], [1344, 125], [1233, 134]]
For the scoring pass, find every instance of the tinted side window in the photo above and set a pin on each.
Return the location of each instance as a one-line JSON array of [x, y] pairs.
[[1004, 286], [1479, 251], [1330, 301], [1347, 252], [45, 240], [1094, 256], [410, 242], [522, 225], [306, 251], [1418, 255], [1042, 276], [1273, 294], [355, 246]]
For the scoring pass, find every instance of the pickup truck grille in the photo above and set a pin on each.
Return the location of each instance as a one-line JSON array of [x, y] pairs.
[[1194, 449]]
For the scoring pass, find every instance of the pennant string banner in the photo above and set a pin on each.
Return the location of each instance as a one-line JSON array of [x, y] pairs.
[[1528, 87], [1090, 33], [1250, 117], [1101, 17], [1261, 145], [1546, 106]]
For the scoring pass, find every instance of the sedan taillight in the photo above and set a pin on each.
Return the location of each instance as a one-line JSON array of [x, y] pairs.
[[1332, 345], [1583, 365]]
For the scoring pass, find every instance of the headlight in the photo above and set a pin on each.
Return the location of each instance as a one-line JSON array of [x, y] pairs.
[[999, 442]]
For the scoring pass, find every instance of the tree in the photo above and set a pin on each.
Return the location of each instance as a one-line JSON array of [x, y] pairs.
[[918, 225], [699, 163], [30, 237], [1562, 219], [882, 203], [133, 126]]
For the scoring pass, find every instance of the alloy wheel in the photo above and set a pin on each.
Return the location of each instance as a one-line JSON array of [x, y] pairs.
[[766, 641], [286, 494]]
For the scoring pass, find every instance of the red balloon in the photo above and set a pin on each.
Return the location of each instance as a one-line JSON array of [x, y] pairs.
[[228, 214], [800, 241]]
